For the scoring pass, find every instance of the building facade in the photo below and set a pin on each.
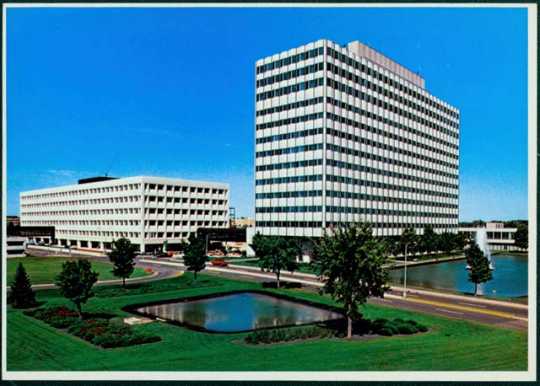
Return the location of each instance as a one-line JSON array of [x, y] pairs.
[[146, 210], [343, 135], [498, 237]]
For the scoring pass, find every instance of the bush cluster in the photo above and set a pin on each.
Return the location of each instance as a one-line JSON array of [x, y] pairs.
[[58, 317], [287, 334], [108, 334], [397, 326], [103, 332]]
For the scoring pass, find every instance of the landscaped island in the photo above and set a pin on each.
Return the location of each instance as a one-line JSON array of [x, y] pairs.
[[42, 270], [448, 344]]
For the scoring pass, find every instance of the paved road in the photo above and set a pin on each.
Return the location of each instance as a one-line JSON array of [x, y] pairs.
[[159, 271], [492, 312]]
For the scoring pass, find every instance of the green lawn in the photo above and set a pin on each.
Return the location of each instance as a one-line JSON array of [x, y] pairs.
[[449, 345], [42, 270], [302, 267]]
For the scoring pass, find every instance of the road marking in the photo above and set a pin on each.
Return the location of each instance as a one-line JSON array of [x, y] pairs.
[[451, 312], [469, 309], [474, 305]]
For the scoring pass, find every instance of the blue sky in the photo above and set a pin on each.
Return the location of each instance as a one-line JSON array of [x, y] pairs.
[[170, 92]]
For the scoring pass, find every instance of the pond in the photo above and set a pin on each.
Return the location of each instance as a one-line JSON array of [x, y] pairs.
[[238, 312], [509, 277]]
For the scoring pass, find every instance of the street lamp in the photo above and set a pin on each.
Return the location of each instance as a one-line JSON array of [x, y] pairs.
[[405, 274]]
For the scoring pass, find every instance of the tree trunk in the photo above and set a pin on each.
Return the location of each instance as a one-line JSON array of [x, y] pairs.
[[349, 327], [123, 282], [79, 310], [475, 289], [277, 276], [194, 275]]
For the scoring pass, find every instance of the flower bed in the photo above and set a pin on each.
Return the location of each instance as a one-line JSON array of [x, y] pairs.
[[107, 333]]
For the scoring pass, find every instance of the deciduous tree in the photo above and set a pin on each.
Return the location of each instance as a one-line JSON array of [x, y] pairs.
[[351, 262], [122, 256], [76, 281], [195, 254], [277, 253], [478, 265]]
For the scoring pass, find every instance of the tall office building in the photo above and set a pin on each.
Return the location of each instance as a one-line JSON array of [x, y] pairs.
[[146, 210], [343, 135]]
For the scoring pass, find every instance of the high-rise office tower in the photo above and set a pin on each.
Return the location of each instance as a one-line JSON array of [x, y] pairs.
[[343, 135]]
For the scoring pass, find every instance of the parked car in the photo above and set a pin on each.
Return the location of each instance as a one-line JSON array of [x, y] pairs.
[[219, 262]]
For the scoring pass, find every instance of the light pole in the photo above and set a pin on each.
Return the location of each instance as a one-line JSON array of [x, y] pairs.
[[405, 274]]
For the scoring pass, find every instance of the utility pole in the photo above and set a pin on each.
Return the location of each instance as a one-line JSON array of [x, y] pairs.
[[405, 274]]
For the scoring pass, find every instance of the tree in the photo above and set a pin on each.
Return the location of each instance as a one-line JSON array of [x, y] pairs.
[[522, 236], [195, 254], [22, 295], [122, 255], [446, 242], [351, 264], [479, 269], [408, 241], [428, 241], [76, 281], [277, 253]]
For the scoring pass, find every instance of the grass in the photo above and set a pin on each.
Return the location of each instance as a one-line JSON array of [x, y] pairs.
[[42, 270], [302, 267], [450, 344]]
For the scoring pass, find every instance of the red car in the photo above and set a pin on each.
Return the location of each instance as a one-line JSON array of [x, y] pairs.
[[219, 262]]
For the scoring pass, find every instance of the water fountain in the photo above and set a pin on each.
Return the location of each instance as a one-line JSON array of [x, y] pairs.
[[481, 241]]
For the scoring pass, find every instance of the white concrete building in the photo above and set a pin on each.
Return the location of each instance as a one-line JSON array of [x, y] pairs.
[[146, 210], [498, 237], [344, 134]]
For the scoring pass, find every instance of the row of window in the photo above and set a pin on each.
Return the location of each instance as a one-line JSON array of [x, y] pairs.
[[288, 180], [289, 150], [389, 94], [290, 60], [184, 211], [383, 78], [75, 232], [388, 173], [382, 185], [287, 165], [397, 125], [311, 69], [94, 201], [288, 209], [148, 223], [318, 224], [386, 212], [289, 121], [418, 154], [290, 89], [290, 106], [178, 188], [293, 194], [388, 199], [82, 192], [290, 135], [184, 200], [84, 212]]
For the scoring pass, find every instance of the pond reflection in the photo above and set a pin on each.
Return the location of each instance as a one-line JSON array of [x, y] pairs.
[[240, 312]]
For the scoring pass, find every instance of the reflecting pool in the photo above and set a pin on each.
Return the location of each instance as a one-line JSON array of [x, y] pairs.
[[509, 276], [239, 312]]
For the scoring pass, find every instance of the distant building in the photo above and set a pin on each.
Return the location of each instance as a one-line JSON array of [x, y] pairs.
[[15, 246], [345, 135], [243, 222], [499, 238], [146, 210], [13, 220]]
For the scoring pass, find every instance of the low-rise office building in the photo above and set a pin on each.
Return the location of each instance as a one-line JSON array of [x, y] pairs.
[[498, 237], [146, 210]]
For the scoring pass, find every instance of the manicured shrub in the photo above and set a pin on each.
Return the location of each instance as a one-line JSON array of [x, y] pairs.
[[103, 332], [287, 334]]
